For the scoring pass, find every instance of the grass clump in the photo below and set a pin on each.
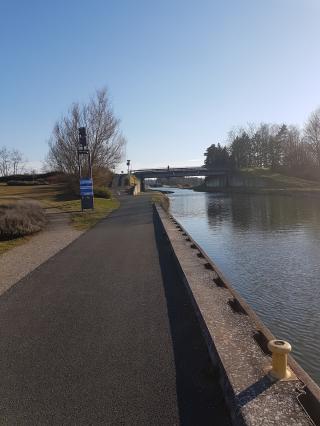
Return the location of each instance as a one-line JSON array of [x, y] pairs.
[[102, 192], [161, 199], [20, 219]]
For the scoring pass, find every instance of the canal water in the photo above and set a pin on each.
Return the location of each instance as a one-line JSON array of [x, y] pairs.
[[268, 246]]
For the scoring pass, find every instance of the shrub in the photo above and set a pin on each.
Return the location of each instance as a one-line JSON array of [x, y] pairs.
[[102, 192], [21, 218], [102, 178]]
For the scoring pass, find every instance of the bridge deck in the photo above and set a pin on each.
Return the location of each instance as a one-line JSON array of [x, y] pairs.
[[179, 172]]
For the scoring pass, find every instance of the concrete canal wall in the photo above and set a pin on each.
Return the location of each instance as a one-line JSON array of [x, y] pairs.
[[237, 342], [235, 180]]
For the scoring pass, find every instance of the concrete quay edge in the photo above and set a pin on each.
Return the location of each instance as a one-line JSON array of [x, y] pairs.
[[237, 342]]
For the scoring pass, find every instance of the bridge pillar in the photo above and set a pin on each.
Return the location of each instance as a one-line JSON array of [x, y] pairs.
[[142, 185]]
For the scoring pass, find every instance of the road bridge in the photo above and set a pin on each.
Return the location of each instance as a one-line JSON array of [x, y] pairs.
[[178, 172], [167, 172]]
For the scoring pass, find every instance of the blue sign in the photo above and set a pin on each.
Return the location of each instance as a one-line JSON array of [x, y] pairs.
[[86, 187]]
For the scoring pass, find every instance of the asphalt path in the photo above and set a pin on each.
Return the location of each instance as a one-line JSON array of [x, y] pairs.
[[104, 333]]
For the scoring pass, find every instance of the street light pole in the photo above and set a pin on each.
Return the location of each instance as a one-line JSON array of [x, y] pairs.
[[128, 164]]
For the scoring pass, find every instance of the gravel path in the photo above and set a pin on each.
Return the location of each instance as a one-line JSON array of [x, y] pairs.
[[18, 262]]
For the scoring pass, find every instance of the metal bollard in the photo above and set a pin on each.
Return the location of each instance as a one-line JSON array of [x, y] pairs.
[[280, 350]]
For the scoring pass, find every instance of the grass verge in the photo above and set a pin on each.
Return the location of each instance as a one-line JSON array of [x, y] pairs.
[[161, 199], [10, 244], [88, 218]]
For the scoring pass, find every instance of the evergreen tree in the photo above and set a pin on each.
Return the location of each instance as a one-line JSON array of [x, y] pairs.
[[241, 151], [216, 157]]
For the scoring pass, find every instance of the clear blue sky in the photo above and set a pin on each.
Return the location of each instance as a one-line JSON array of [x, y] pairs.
[[180, 73]]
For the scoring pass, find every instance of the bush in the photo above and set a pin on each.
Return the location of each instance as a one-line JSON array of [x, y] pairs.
[[99, 186], [102, 192], [20, 219]]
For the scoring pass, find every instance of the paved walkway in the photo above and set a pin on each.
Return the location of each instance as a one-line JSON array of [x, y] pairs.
[[103, 333]]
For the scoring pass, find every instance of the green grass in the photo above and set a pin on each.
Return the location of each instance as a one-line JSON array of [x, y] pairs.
[[268, 182], [88, 218], [277, 180], [161, 199]]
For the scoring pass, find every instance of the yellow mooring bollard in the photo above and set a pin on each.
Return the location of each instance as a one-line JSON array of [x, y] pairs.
[[280, 350]]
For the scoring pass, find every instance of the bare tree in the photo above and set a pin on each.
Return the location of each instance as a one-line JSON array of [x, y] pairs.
[[11, 161], [17, 161], [5, 161], [312, 135], [103, 135]]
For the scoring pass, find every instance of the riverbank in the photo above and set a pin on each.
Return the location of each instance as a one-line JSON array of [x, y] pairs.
[[259, 181]]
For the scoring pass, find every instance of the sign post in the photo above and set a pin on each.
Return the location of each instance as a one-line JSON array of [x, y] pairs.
[[85, 171]]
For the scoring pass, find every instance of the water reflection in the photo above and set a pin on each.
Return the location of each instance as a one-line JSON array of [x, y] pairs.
[[268, 212], [269, 248]]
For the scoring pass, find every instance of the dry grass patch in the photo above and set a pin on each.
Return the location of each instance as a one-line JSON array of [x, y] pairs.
[[45, 194], [161, 199]]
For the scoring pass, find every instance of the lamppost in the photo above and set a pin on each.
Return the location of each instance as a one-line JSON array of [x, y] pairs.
[[128, 164]]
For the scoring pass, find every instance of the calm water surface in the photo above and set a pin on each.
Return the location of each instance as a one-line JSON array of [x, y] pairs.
[[268, 246]]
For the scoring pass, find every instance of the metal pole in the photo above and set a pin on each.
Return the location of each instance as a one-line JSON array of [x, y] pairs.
[[90, 171], [128, 164]]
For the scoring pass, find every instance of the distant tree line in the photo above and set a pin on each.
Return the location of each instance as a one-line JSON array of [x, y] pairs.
[[281, 147], [12, 161]]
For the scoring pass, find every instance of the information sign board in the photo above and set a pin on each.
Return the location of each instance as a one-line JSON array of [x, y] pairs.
[[86, 193], [86, 187]]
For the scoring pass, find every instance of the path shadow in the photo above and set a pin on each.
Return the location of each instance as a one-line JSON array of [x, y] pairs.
[[199, 395]]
